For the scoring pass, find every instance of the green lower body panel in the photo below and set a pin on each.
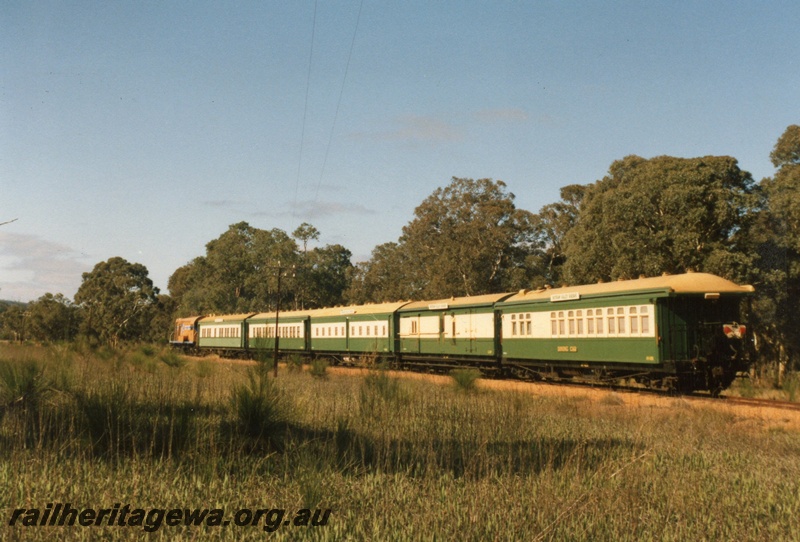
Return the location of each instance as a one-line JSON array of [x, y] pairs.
[[459, 348], [627, 350], [284, 344], [229, 343]]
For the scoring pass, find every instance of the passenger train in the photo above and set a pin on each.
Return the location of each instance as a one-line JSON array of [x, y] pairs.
[[673, 332]]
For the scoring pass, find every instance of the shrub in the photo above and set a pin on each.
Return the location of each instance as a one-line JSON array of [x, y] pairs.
[[295, 363], [319, 368], [379, 388], [172, 359], [259, 406], [203, 368], [791, 385], [465, 379], [23, 385]]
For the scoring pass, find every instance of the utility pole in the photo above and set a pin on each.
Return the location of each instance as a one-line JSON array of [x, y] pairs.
[[277, 330], [277, 316]]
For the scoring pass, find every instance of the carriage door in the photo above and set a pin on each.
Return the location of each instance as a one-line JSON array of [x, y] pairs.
[[410, 333], [472, 332]]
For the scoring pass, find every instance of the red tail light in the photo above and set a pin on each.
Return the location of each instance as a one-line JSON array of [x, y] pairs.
[[734, 331]]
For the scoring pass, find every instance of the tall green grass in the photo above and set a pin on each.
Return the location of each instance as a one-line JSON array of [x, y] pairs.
[[393, 458]]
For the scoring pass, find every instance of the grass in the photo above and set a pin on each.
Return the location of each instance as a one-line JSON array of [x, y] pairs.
[[465, 379], [318, 368], [393, 459]]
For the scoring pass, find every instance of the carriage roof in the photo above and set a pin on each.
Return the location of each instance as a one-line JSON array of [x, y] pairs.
[[683, 284]]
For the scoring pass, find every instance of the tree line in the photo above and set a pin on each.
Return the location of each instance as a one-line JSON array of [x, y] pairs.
[[645, 217]]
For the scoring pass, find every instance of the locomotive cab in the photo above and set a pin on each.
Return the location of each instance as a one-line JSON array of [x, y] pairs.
[[185, 332]]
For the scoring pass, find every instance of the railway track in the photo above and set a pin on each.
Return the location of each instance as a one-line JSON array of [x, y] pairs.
[[767, 403], [722, 399]]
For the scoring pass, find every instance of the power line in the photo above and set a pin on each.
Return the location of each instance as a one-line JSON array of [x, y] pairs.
[[339, 102], [305, 111]]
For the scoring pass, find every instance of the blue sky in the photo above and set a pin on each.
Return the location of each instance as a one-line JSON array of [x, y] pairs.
[[144, 129]]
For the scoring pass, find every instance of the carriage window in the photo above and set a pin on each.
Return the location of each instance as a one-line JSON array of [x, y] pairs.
[[620, 320], [561, 323], [513, 324], [634, 320], [579, 315], [528, 327], [571, 315], [645, 320], [610, 313]]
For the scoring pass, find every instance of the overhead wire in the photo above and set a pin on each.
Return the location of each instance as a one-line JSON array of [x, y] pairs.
[[305, 111], [339, 102]]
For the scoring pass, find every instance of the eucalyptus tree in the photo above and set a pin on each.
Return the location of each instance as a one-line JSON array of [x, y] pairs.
[[383, 278], [118, 301], [552, 224], [664, 214], [52, 318], [237, 273], [305, 232], [777, 243], [325, 276], [467, 238]]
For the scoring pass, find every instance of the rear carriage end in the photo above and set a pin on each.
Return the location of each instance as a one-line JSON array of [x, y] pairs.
[[677, 332]]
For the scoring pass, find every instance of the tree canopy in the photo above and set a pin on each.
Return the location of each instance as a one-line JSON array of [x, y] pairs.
[[467, 238], [239, 273], [660, 215], [52, 318], [118, 300], [776, 241]]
